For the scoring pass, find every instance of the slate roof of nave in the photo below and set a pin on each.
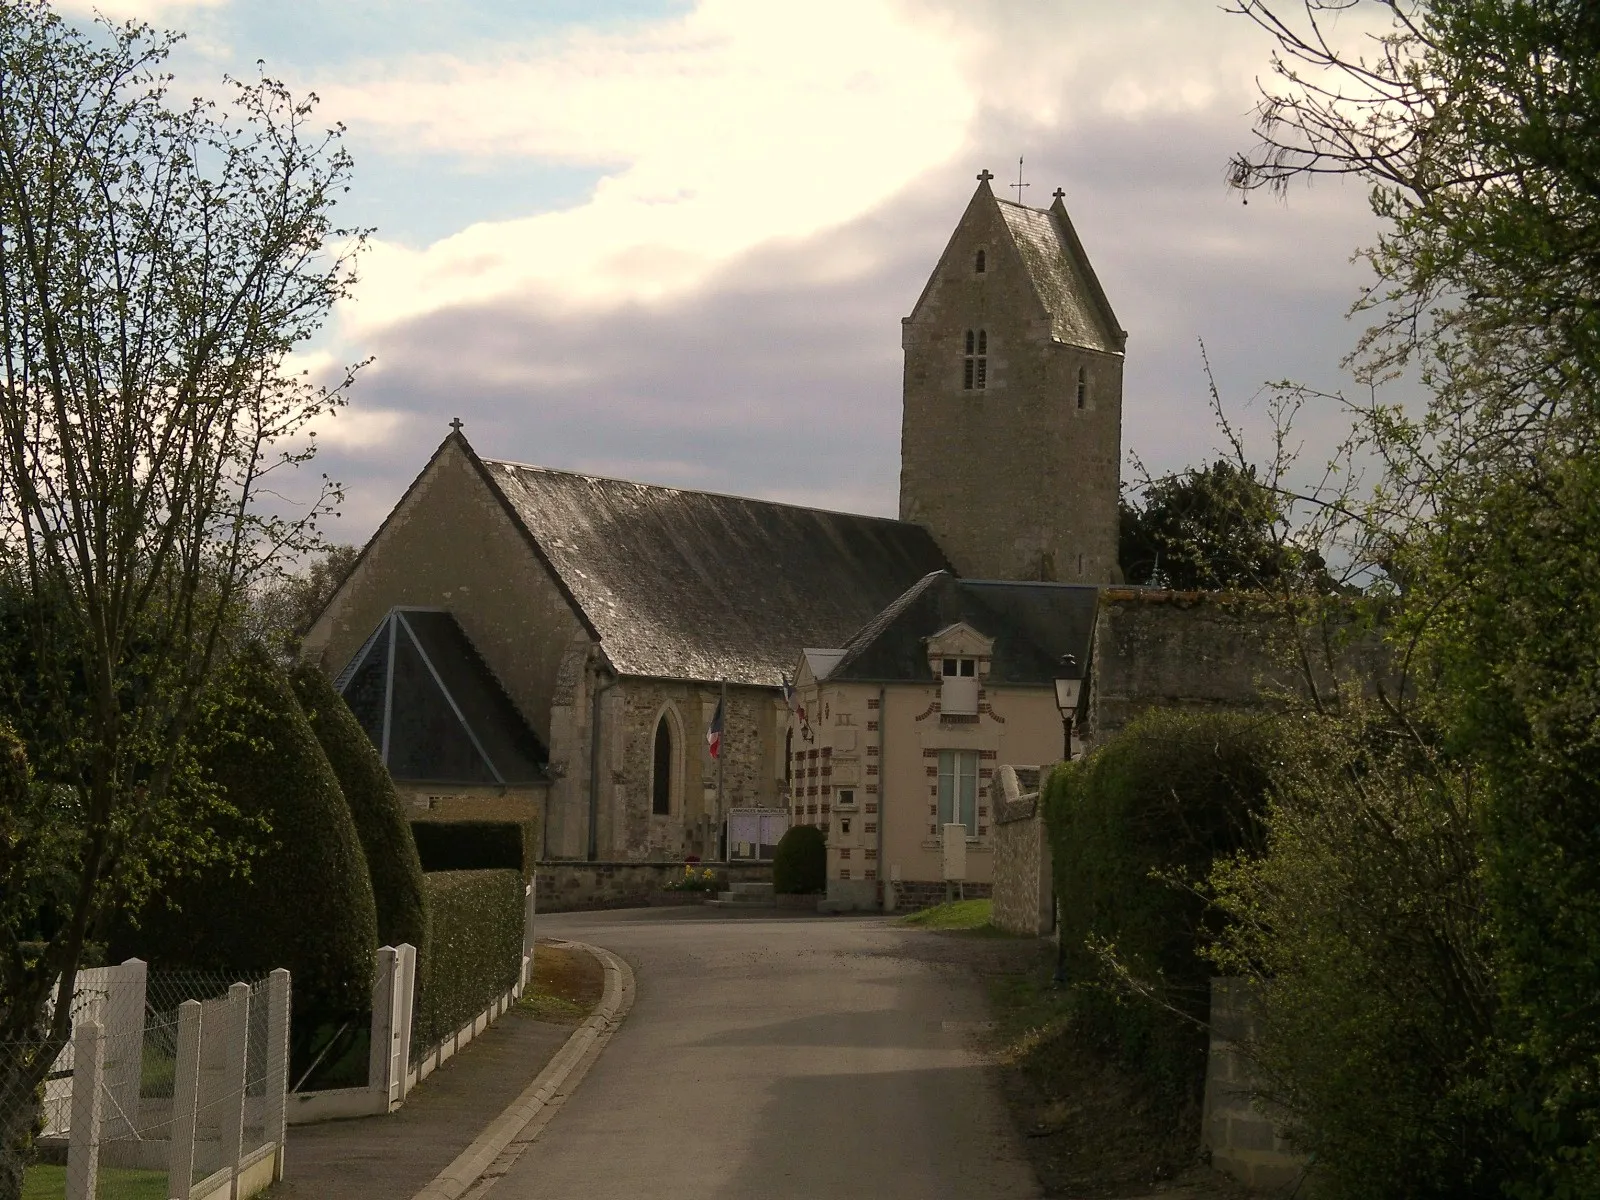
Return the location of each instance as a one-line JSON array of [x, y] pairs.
[[696, 585], [1079, 312]]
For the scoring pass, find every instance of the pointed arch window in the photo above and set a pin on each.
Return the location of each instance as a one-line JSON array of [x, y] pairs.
[[661, 769], [980, 265], [1083, 386], [975, 365]]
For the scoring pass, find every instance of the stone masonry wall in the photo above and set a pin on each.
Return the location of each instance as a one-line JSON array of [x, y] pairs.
[[577, 886], [1023, 896], [1242, 1139], [1155, 648], [1014, 481], [751, 767]]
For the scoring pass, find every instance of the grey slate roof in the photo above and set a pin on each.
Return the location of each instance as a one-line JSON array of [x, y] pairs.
[[1032, 624], [1080, 315], [694, 585]]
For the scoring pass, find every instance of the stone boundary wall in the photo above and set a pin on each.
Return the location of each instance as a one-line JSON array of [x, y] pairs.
[[1023, 893], [570, 886], [1155, 648], [1242, 1139], [916, 894]]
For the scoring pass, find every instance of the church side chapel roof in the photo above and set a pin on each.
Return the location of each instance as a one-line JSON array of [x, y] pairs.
[[1032, 624], [695, 585], [432, 707], [1080, 315]]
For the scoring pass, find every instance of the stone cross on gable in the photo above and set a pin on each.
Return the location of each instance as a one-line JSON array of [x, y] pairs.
[[455, 424], [985, 175], [1058, 193]]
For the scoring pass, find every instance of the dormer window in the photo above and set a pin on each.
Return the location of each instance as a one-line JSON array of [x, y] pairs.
[[1083, 386], [980, 265], [975, 369], [958, 693]]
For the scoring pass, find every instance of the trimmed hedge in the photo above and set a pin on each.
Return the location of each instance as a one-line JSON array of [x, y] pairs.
[[473, 952], [474, 845], [380, 821], [800, 863], [307, 901], [1134, 828]]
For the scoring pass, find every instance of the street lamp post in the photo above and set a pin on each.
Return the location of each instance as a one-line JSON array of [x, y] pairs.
[[1069, 691]]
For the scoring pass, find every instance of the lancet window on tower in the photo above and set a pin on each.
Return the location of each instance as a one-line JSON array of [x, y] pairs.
[[981, 265], [975, 368], [1083, 387]]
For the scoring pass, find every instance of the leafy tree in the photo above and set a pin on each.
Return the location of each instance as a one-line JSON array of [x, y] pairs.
[[158, 261], [1205, 529], [1473, 122], [287, 603]]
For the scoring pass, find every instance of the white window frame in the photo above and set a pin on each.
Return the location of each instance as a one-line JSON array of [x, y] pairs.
[[958, 789]]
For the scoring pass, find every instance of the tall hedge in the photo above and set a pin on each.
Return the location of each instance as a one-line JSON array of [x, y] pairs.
[[800, 863], [475, 845], [473, 952], [1134, 828], [305, 901], [392, 861]]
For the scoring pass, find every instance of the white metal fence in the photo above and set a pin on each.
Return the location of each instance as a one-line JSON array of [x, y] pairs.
[[151, 1091]]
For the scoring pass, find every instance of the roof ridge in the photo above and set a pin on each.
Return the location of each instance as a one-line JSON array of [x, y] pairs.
[[668, 487], [873, 629]]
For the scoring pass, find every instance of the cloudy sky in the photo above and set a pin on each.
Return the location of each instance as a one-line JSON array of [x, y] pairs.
[[672, 240]]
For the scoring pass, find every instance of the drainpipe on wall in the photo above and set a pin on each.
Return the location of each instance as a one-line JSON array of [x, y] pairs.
[[883, 797], [594, 763]]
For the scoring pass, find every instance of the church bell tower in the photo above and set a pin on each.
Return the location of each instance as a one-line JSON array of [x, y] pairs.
[[1011, 436]]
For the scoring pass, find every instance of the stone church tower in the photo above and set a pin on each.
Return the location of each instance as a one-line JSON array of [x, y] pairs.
[[1011, 441]]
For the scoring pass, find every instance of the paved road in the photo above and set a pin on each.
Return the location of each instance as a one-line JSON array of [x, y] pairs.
[[790, 1058]]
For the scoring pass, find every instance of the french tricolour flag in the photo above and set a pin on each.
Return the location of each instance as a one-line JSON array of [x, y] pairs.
[[714, 734]]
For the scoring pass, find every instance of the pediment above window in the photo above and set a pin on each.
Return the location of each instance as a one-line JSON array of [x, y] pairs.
[[959, 640]]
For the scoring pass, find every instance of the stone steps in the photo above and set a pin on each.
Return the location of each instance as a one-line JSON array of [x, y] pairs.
[[746, 895]]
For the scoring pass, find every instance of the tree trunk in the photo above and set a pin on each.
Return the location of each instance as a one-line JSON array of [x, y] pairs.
[[21, 1099]]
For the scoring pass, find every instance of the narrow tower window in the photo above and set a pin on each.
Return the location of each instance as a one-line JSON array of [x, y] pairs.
[[661, 775], [979, 267], [975, 369], [1083, 387]]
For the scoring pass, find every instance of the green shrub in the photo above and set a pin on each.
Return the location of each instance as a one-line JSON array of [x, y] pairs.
[[1134, 828], [380, 821], [475, 845], [1363, 929], [305, 902], [800, 863], [474, 948]]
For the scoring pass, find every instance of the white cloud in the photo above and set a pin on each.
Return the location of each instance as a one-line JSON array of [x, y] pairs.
[[153, 11], [733, 125]]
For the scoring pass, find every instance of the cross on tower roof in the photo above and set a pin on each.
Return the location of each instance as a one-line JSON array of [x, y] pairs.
[[1019, 185], [455, 424], [1058, 193], [985, 175]]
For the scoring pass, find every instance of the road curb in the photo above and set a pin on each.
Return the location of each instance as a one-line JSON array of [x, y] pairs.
[[492, 1152]]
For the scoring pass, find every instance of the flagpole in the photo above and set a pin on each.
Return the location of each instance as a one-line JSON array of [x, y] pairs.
[[722, 754]]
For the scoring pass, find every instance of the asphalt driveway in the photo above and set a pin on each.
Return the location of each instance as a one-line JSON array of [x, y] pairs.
[[783, 1057]]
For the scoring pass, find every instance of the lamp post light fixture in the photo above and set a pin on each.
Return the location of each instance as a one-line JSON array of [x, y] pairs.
[[1069, 692], [1069, 689]]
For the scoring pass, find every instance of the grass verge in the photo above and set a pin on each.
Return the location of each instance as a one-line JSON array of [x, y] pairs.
[[567, 983], [1091, 1126], [958, 916], [44, 1182]]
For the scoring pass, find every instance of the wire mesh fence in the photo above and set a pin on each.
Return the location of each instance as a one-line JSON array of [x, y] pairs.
[[156, 1096]]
